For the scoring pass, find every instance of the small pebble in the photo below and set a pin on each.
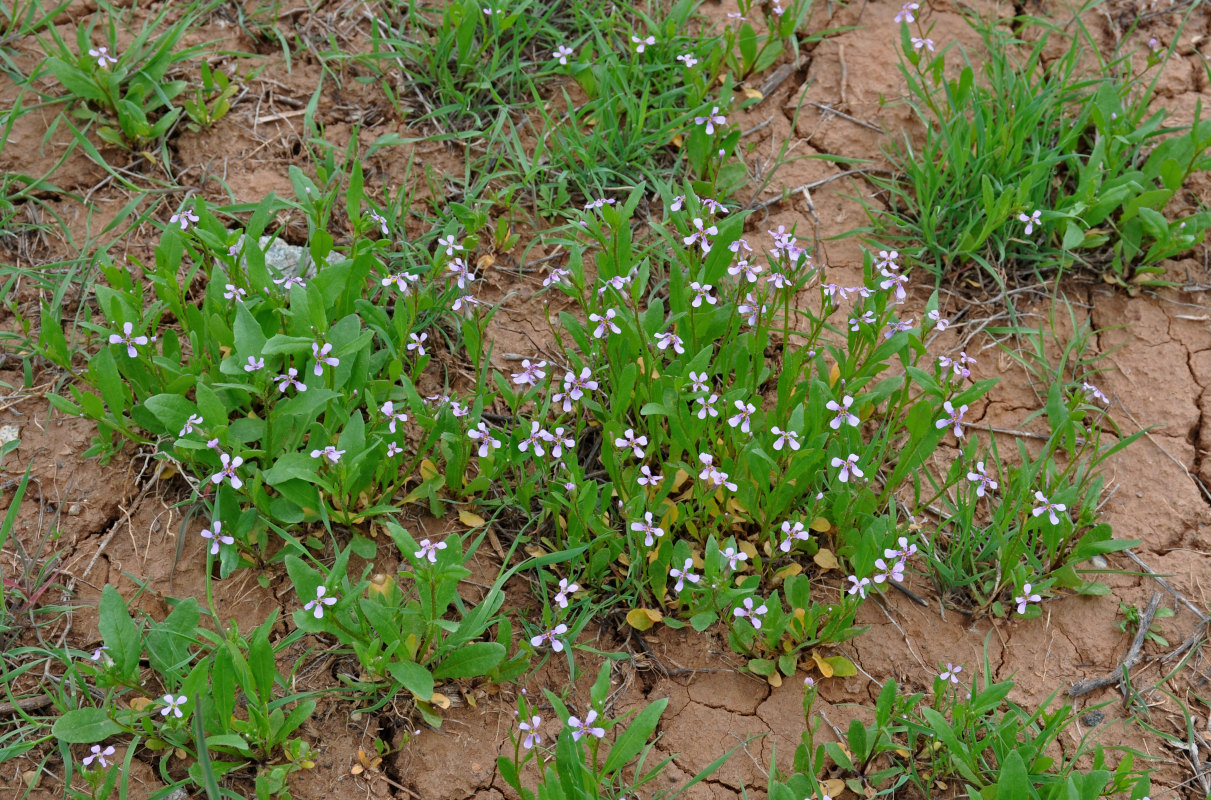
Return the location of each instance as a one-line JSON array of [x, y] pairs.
[[73, 510], [1093, 718]]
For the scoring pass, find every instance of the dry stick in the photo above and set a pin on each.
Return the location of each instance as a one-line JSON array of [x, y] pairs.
[[26, 704], [807, 186], [777, 79], [1132, 658], [1165, 585], [827, 109]]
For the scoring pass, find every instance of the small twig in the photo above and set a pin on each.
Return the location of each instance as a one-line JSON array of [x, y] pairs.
[[1118, 676], [826, 109], [1199, 632], [775, 80], [26, 704], [807, 187], [1165, 585], [844, 71]]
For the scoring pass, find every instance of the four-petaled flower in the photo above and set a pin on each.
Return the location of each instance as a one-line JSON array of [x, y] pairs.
[[329, 452], [785, 438], [288, 379], [1047, 506], [98, 753], [985, 482], [746, 611], [194, 419], [711, 120], [605, 322], [561, 54], [669, 339], [698, 382], [700, 235], [233, 292], [682, 575], [128, 340], [319, 602], [288, 281], [585, 728], [549, 637], [382, 222], [733, 557], [428, 550], [1026, 597], [184, 218], [893, 572], [320, 354], [531, 729], [254, 364], [648, 529], [417, 343], [918, 43], [629, 439], [1030, 221], [898, 281], [843, 416], [955, 418], [707, 406], [172, 705], [646, 478], [393, 416], [530, 374], [104, 59], [640, 44], [750, 309], [712, 474], [216, 537], [230, 465], [858, 587], [565, 588], [951, 673], [905, 14], [401, 280], [795, 531], [486, 440], [741, 419], [535, 439], [847, 466], [1093, 393], [687, 59], [393, 449], [450, 244]]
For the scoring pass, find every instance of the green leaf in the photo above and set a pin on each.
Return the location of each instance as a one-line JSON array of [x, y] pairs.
[[470, 661], [168, 642], [1013, 782], [413, 677], [119, 632], [631, 742], [84, 726]]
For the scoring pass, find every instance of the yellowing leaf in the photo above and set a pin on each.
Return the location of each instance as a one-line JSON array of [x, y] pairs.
[[749, 549], [774, 679], [834, 374], [470, 520], [753, 94], [140, 703], [826, 669], [486, 261], [428, 470], [826, 560], [440, 700], [642, 619], [790, 569], [833, 787], [380, 584], [842, 667], [821, 525], [677, 140], [679, 479], [534, 551]]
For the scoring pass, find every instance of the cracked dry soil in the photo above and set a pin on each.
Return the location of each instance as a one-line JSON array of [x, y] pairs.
[[115, 524]]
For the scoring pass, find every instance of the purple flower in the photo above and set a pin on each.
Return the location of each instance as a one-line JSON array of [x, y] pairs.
[[795, 531], [382, 222], [536, 439], [531, 729], [329, 452], [741, 419], [700, 235], [393, 449], [1030, 221], [843, 416], [785, 438], [918, 43], [487, 442], [669, 339], [216, 537], [951, 673], [557, 275], [858, 587], [321, 357], [687, 59], [698, 382], [711, 120], [565, 588], [530, 374], [682, 575], [288, 281], [319, 602], [401, 281], [393, 416], [417, 343], [194, 419], [104, 59], [128, 340], [288, 379], [985, 482], [230, 465], [428, 550], [746, 611], [905, 13], [585, 728], [173, 705], [955, 418], [893, 572], [711, 474], [640, 44], [254, 364], [561, 54], [702, 292], [898, 281], [1048, 506], [707, 406], [183, 219], [97, 752], [605, 323], [550, 638], [629, 439], [1093, 393], [648, 529], [1026, 597], [450, 244], [233, 292], [646, 478], [750, 310], [847, 466], [733, 557]]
